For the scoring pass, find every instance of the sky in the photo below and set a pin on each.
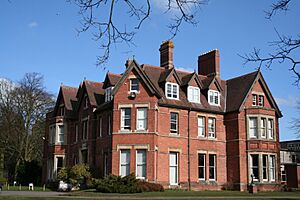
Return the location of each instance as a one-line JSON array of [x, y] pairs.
[[41, 36]]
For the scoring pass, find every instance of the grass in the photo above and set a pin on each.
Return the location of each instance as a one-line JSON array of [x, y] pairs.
[[168, 194]]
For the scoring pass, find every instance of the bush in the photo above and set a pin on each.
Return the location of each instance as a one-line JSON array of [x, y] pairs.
[[77, 175], [127, 184], [117, 184], [150, 187]]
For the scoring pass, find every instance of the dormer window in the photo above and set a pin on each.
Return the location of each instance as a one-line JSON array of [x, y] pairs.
[[172, 91], [108, 94], [134, 85], [214, 97], [194, 94]]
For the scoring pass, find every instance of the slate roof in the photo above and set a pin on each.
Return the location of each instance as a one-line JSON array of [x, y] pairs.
[[69, 95], [95, 92], [237, 89], [233, 91]]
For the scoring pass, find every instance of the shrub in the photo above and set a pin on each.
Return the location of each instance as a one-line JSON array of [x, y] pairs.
[[52, 185], [77, 175], [150, 187], [127, 184], [117, 184]]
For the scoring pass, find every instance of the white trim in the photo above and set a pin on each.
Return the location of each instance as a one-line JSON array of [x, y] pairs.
[[136, 163], [213, 94], [145, 119], [173, 166], [191, 97], [172, 93]]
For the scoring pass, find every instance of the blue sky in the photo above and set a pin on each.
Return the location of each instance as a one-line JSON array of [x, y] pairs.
[[40, 36]]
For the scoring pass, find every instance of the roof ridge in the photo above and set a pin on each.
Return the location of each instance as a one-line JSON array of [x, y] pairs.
[[243, 75]]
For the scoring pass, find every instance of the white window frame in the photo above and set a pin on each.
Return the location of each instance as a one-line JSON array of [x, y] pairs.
[[254, 99], [254, 128], [171, 95], [173, 166], [213, 96], [142, 164], [138, 87], [265, 156], [270, 128], [108, 95], [144, 120], [60, 134], [192, 94], [214, 167], [126, 164], [251, 166], [263, 127], [202, 166], [212, 127], [174, 131], [272, 167], [124, 117], [201, 127]]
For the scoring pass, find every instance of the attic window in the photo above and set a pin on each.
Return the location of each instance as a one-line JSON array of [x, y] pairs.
[[108, 94], [261, 100], [214, 97], [134, 85], [254, 99], [193, 94], [172, 90]]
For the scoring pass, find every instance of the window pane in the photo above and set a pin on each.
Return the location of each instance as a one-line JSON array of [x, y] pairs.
[[212, 167], [253, 127], [141, 163], [254, 167], [134, 85], [125, 162]]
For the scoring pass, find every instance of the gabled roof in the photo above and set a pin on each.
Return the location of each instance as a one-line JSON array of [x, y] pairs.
[[69, 97], [111, 79], [94, 92], [165, 75], [239, 88], [187, 78], [132, 64]]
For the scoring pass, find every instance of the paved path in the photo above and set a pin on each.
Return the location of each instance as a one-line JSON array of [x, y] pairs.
[[132, 196]]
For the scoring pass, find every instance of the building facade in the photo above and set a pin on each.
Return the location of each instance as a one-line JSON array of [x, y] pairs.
[[290, 163], [168, 126]]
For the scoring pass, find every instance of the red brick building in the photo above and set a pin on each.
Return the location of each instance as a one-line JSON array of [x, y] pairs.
[[169, 126]]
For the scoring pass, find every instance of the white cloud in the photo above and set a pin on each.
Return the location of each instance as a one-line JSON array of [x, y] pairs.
[[288, 101], [164, 4], [33, 24]]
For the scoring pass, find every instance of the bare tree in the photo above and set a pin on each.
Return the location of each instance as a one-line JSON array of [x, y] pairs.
[[22, 109], [98, 16], [285, 50]]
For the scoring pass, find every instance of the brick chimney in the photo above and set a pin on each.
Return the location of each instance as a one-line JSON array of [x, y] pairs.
[[209, 63], [166, 54]]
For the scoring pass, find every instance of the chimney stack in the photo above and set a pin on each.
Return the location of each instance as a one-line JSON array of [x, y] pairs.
[[209, 63], [166, 54]]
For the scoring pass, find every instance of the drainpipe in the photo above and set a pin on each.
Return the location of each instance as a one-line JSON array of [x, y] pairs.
[[189, 156]]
